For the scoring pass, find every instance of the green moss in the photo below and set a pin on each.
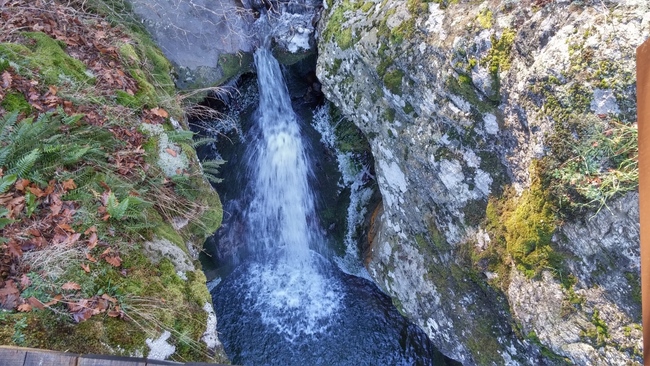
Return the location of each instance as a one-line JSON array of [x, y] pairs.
[[389, 115], [48, 56], [383, 66], [498, 58], [634, 281], [466, 90], [334, 28], [235, 63], [211, 219], [393, 81], [336, 65], [166, 231], [485, 18], [528, 231], [417, 7], [521, 228], [367, 6], [344, 38], [16, 102], [408, 108], [405, 30], [599, 334]]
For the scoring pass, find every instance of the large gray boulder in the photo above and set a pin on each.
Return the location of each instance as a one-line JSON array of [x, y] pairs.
[[206, 41], [209, 42]]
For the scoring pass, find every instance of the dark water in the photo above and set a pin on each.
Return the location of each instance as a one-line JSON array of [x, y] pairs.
[[365, 330]]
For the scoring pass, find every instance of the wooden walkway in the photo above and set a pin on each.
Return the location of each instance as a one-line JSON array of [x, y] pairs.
[[16, 356]]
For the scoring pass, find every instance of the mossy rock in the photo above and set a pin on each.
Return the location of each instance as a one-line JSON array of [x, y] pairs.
[[233, 64], [285, 57], [393, 81]]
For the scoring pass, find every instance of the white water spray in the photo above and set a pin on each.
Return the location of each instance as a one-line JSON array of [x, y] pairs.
[[290, 291]]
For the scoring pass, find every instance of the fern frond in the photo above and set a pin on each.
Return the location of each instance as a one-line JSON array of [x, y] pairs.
[[70, 120], [7, 122], [6, 182], [5, 153], [23, 165], [212, 178], [180, 136], [213, 163], [115, 208], [203, 141]]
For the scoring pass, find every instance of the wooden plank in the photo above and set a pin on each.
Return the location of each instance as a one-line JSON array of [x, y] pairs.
[[106, 360], [12, 357], [643, 112], [49, 358], [163, 363]]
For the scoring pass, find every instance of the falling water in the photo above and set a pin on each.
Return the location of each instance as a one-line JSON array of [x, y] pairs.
[[288, 283]]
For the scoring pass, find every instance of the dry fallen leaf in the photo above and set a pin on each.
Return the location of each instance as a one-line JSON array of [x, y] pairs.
[[114, 261], [160, 112], [24, 307], [66, 227], [6, 80], [86, 267], [36, 303], [36, 191], [25, 281], [21, 184], [54, 300], [71, 286], [92, 241], [91, 258], [171, 152], [109, 298], [69, 185]]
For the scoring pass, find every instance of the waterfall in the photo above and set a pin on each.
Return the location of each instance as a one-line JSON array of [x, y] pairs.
[[286, 302], [282, 203], [291, 289]]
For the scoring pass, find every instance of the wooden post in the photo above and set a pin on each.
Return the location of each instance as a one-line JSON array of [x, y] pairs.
[[643, 110]]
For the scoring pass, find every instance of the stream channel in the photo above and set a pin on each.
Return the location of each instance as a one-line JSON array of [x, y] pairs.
[[283, 293]]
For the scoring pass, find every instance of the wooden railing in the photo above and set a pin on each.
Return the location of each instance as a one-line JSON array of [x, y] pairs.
[[16, 356], [643, 112]]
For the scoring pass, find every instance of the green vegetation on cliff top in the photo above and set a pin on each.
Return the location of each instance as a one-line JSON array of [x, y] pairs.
[[84, 186]]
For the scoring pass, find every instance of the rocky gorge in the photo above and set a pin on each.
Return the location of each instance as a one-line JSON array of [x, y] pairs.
[[503, 135], [505, 153]]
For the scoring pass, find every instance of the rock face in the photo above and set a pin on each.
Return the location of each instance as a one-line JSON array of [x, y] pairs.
[[203, 39], [490, 123], [210, 42]]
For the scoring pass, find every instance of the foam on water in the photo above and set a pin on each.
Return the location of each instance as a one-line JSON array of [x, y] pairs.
[[296, 301]]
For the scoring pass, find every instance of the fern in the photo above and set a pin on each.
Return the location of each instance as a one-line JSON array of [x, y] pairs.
[[211, 169], [70, 120], [5, 153], [7, 123], [24, 164], [180, 136], [4, 221], [203, 141], [115, 208], [6, 182]]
